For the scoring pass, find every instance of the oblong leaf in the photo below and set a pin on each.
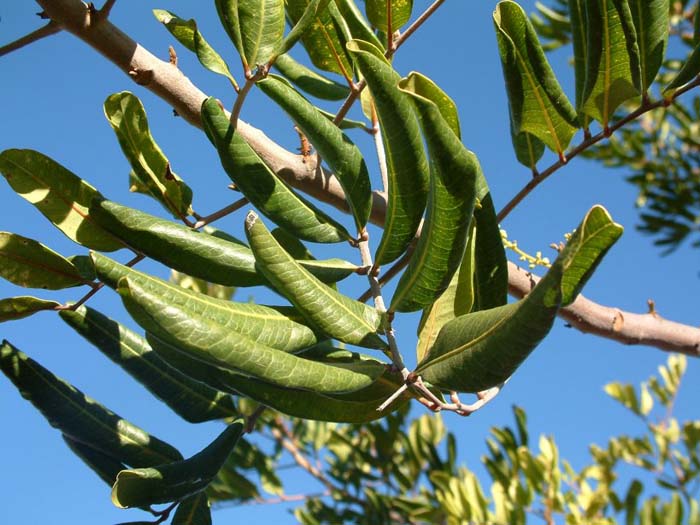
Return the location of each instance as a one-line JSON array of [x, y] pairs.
[[325, 39], [26, 262], [327, 310], [453, 173], [14, 308], [188, 398], [174, 481], [81, 418], [186, 32], [651, 21], [357, 23], [57, 193], [213, 343], [690, 69], [194, 510], [262, 187], [307, 19], [151, 167], [281, 328], [405, 157], [477, 351], [309, 81], [210, 255], [359, 406], [378, 15], [337, 150], [538, 105], [612, 59]]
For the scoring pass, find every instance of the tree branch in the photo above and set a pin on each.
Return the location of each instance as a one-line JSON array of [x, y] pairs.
[[170, 84], [49, 29]]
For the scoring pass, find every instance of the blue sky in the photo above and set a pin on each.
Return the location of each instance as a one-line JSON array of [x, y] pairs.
[[52, 95]]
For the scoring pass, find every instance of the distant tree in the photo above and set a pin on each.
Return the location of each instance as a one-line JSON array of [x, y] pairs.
[[293, 372]]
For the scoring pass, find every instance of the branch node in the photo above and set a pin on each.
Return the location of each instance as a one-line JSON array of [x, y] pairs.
[[172, 55], [142, 77]]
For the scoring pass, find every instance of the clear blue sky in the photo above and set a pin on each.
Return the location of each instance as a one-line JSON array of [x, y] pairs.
[[51, 100]]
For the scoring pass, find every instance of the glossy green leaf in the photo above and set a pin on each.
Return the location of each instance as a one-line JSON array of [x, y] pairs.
[[60, 195], [213, 343], [210, 255], [353, 407], [406, 162], [80, 417], [174, 481], [14, 308], [312, 11], [336, 149], [280, 327], [329, 311], [690, 70], [194, 510], [105, 466], [357, 23], [651, 21], [477, 351], [577, 14], [453, 173], [538, 105], [186, 32], [262, 187], [26, 262], [188, 398], [256, 28], [309, 81], [528, 148], [325, 39], [378, 15], [612, 59], [151, 167]]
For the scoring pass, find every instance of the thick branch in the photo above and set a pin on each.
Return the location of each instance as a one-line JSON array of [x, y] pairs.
[[169, 83]]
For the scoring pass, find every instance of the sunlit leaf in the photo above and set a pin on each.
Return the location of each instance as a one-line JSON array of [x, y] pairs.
[[538, 105], [80, 417], [357, 23], [327, 310], [60, 195], [178, 480], [14, 308], [378, 13], [651, 21], [190, 399], [309, 81], [262, 187], [405, 157], [26, 262], [150, 166], [312, 11]]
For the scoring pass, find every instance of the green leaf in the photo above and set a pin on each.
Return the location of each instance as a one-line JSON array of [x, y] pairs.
[[312, 11], [325, 39], [477, 351], [377, 13], [528, 148], [60, 195], [186, 32], [690, 69], [14, 308], [215, 344], [357, 23], [210, 255], [612, 59], [262, 187], [256, 28], [651, 21], [329, 311], [406, 163], [150, 166], [80, 417], [336, 149], [105, 466], [188, 398], [194, 510], [359, 406], [579, 26], [26, 262], [538, 105], [279, 327], [174, 481], [453, 174], [309, 81]]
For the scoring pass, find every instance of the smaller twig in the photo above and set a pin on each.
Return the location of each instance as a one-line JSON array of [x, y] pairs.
[[243, 93], [49, 29], [393, 271], [381, 153], [223, 212], [352, 97], [414, 27], [253, 418], [389, 28], [107, 8]]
